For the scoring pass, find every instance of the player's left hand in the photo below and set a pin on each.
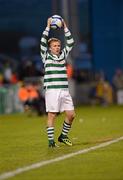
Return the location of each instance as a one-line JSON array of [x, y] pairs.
[[48, 22]]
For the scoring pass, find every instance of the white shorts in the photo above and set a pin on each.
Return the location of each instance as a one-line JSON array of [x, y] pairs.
[[58, 100]]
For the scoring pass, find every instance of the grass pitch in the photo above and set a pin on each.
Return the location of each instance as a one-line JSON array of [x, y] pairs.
[[23, 141]]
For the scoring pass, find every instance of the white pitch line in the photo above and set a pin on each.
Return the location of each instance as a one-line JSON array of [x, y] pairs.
[[15, 172]]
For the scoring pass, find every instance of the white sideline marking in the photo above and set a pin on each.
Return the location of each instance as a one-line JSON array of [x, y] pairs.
[[43, 163]]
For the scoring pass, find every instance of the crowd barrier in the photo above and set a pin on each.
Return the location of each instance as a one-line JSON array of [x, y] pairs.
[[9, 102]]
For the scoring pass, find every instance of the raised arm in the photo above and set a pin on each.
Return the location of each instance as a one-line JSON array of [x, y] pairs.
[[69, 40], [44, 39]]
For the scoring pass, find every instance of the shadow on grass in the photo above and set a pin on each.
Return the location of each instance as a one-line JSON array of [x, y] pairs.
[[98, 141]]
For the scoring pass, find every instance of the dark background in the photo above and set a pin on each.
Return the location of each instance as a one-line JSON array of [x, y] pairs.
[[100, 24]]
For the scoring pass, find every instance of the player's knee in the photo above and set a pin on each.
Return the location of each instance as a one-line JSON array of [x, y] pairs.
[[51, 115], [71, 116]]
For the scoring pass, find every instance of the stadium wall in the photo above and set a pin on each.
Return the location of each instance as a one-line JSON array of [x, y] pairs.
[[24, 16], [121, 29], [107, 35]]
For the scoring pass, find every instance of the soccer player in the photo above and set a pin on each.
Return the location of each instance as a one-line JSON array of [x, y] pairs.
[[57, 96]]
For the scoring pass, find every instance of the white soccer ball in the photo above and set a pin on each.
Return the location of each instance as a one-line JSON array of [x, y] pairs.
[[56, 22]]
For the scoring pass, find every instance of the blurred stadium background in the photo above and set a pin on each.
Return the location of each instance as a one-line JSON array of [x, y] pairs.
[[95, 67], [95, 73]]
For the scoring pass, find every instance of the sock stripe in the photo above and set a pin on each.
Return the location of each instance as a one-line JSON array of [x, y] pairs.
[[66, 124], [50, 133], [66, 128], [50, 128]]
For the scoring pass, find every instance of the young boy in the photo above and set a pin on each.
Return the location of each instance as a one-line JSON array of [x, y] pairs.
[[57, 96]]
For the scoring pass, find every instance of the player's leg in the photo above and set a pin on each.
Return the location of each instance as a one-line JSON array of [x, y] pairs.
[[50, 128], [66, 128], [52, 107], [68, 107]]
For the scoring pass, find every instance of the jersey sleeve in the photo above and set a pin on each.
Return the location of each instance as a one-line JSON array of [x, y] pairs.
[[69, 42], [43, 44]]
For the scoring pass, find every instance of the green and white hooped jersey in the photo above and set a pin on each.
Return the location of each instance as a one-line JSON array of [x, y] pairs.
[[55, 67]]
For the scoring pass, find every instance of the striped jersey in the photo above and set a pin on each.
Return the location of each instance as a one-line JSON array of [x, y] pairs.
[[55, 66]]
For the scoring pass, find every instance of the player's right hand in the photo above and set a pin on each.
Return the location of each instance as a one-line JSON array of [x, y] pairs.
[[64, 24]]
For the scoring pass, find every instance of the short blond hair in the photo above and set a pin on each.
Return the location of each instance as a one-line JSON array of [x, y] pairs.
[[53, 40]]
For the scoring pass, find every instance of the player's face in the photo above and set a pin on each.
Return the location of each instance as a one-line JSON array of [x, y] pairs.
[[55, 47]]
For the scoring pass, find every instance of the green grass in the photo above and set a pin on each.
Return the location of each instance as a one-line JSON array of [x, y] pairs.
[[23, 141]]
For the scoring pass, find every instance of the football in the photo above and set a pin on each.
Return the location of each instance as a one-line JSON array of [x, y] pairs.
[[56, 22]]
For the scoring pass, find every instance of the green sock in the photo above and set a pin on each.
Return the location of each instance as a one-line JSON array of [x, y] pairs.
[[50, 134], [65, 130]]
